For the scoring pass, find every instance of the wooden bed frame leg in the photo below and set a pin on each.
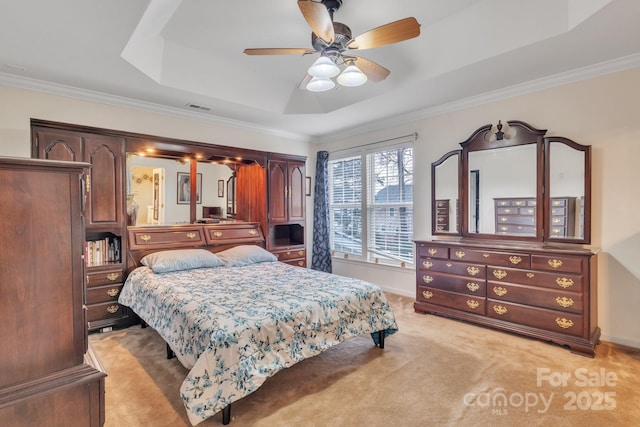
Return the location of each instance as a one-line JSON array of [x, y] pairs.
[[381, 339], [226, 414], [170, 353]]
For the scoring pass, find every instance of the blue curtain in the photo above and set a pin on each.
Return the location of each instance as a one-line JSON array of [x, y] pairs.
[[321, 255]]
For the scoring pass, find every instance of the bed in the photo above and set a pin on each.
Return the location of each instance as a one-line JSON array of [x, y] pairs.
[[237, 317]]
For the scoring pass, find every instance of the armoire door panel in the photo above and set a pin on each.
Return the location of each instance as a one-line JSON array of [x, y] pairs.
[[297, 192], [105, 184], [277, 191], [59, 146]]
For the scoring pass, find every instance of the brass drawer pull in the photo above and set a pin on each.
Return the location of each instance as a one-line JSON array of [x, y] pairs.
[[218, 234], [564, 282], [145, 237], [253, 232], [515, 260], [473, 303], [113, 308], [564, 302], [301, 263], [460, 254], [473, 270], [473, 286], [427, 279], [433, 251], [500, 309], [531, 275], [113, 276], [191, 235], [564, 323], [554, 263], [427, 294], [499, 274], [300, 253], [427, 264], [113, 292], [500, 291]]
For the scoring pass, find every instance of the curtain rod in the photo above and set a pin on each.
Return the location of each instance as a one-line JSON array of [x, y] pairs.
[[414, 135]]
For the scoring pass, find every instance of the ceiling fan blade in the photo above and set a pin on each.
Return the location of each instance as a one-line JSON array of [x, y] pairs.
[[393, 32], [279, 51], [374, 72], [318, 18]]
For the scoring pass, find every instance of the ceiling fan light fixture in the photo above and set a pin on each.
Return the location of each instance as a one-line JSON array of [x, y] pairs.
[[318, 84], [352, 77], [324, 68]]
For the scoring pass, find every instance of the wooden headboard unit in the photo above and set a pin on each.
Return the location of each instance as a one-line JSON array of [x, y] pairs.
[[212, 237]]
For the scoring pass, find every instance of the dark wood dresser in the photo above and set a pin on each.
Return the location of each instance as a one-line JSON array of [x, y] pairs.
[[49, 375], [543, 291]]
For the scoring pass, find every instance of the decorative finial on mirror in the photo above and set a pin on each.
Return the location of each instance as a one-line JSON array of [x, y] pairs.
[[499, 134]]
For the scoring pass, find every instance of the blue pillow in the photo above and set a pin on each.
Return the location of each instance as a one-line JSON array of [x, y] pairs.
[[181, 259], [242, 255]]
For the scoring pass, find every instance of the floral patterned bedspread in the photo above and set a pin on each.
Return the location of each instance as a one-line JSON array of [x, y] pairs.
[[235, 327]]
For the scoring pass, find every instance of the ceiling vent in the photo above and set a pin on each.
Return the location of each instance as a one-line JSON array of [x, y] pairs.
[[198, 107]]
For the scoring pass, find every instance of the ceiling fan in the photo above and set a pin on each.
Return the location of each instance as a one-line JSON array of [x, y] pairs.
[[334, 42]]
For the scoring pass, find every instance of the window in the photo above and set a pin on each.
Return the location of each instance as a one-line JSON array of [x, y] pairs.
[[371, 204]]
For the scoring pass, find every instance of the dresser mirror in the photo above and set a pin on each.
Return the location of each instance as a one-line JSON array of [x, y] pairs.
[[502, 172], [445, 183], [502, 182], [568, 175]]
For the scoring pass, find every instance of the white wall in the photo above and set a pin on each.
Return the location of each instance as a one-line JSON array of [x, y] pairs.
[[603, 112]]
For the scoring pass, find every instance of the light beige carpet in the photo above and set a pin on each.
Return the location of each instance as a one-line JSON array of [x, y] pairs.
[[433, 372]]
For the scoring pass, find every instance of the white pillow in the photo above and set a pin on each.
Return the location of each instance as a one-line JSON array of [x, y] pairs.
[[242, 255], [181, 259]]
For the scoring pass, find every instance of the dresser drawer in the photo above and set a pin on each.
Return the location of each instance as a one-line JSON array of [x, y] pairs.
[[297, 262], [219, 234], [462, 302], [461, 268], [289, 254], [452, 283], [517, 220], [163, 237], [104, 277], [558, 281], [539, 297], [568, 263], [508, 259], [528, 230], [107, 310], [106, 293], [550, 320], [431, 251]]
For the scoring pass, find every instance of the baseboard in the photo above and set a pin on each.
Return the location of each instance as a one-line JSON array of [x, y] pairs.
[[621, 341]]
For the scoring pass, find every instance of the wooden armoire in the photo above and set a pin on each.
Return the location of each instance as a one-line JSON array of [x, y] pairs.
[[49, 375]]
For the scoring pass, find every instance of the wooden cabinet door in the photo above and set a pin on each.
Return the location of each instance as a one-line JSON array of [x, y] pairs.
[[105, 184], [251, 194], [297, 191], [43, 328], [278, 191], [59, 145]]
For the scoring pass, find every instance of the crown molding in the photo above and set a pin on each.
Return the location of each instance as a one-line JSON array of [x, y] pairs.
[[592, 71], [118, 101], [579, 74]]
